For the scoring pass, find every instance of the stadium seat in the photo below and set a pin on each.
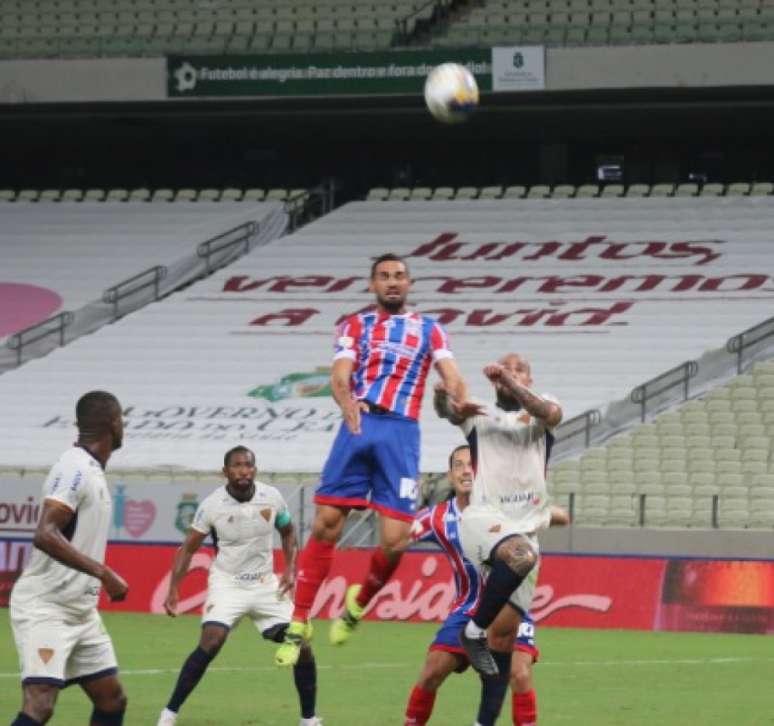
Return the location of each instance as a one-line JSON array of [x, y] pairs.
[[712, 190], [638, 190], [378, 194], [538, 191], [587, 190], [738, 189], [685, 190], [494, 192], [466, 193], [761, 188], [561, 191], [443, 193], [181, 195], [117, 195], [662, 190], [209, 195], [399, 194], [7, 195], [421, 193], [139, 195], [253, 195], [513, 192]]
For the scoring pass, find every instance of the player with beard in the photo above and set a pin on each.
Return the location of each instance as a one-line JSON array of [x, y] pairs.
[[380, 367], [241, 517], [440, 525], [510, 448], [59, 634]]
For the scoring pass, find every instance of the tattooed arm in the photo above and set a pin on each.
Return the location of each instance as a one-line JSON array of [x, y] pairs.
[[548, 412]]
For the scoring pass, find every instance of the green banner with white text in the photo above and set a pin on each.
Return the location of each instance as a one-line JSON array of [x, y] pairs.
[[317, 74]]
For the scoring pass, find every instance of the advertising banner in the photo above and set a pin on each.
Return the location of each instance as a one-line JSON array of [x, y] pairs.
[[518, 69], [317, 74], [573, 591]]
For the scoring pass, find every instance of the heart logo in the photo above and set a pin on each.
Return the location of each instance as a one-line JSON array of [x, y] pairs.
[[46, 654], [139, 516]]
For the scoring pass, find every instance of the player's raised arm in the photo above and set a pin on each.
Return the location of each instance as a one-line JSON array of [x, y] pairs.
[[541, 408], [49, 538], [180, 566]]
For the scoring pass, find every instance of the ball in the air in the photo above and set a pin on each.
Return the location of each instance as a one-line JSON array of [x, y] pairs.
[[451, 92]]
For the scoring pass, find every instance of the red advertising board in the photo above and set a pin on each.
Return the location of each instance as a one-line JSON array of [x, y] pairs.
[[581, 591]]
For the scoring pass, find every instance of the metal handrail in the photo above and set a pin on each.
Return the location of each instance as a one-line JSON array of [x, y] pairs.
[[18, 341], [299, 204], [207, 249], [126, 288], [739, 343], [644, 392], [402, 23], [587, 420]]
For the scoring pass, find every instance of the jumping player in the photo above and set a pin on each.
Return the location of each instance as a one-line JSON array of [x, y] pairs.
[[440, 525], [59, 634], [509, 503], [241, 517], [380, 367]]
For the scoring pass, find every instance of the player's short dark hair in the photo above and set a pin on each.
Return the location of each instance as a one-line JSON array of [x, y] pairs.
[[454, 451], [238, 450], [387, 257], [95, 409]]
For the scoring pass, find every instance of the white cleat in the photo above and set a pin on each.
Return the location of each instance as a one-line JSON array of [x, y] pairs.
[[167, 718], [314, 721]]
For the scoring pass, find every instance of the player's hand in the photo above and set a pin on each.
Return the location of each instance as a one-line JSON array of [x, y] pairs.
[[286, 582], [466, 409], [494, 372], [559, 517], [170, 604], [115, 585], [352, 415]]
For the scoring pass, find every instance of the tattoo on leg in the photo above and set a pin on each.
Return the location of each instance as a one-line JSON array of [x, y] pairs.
[[518, 554]]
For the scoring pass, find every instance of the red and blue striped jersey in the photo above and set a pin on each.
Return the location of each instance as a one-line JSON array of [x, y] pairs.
[[440, 524], [392, 356]]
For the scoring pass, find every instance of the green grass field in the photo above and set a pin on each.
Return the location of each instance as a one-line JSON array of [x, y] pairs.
[[585, 677]]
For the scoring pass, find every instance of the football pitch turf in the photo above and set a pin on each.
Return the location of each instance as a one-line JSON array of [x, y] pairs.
[[585, 677]]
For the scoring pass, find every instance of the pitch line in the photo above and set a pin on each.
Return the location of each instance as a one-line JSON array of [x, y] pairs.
[[377, 665]]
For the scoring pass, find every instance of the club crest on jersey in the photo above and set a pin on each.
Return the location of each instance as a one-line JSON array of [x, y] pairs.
[[46, 654]]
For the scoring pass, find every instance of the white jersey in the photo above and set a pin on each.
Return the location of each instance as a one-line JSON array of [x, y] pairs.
[[46, 586], [242, 532], [510, 451]]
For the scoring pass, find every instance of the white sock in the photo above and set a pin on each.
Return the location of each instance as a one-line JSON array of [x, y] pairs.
[[473, 631], [167, 712], [308, 721]]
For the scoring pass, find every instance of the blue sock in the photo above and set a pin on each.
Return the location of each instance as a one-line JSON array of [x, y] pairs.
[[493, 690], [190, 674], [22, 719], [305, 676], [101, 718], [500, 585]]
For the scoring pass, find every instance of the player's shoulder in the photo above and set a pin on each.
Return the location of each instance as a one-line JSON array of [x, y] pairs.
[[76, 458], [215, 497], [267, 491]]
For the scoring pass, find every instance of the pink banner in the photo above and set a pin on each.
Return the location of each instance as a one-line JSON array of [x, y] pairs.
[[580, 591]]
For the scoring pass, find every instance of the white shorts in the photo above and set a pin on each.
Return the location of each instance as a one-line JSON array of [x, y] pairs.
[[62, 650], [482, 528], [227, 603]]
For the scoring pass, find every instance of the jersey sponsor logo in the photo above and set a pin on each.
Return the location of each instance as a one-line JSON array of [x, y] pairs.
[[46, 654], [398, 349], [519, 497]]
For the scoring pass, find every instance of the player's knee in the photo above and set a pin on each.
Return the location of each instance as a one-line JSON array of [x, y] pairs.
[[39, 705], [212, 642], [518, 554], [501, 641], [431, 680], [328, 523], [521, 677], [118, 702]]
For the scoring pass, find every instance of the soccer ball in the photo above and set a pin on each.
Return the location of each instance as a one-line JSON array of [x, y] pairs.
[[451, 93]]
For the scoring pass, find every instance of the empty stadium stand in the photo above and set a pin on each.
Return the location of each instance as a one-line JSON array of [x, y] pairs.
[[43, 28], [601, 295], [706, 463], [608, 22], [85, 264]]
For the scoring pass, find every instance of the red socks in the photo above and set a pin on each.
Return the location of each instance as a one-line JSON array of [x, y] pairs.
[[420, 706], [379, 572], [314, 564], [524, 708]]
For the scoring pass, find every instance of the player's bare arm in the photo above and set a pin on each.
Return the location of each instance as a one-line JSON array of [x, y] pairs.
[[290, 551], [351, 408], [49, 537], [547, 411], [456, 390], [180, 566], [442, 407]]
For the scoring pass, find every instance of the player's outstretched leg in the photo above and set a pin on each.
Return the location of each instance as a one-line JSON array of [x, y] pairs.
[[438, 666], [512, 561], [384, 562], [213, 637], [314, 564]]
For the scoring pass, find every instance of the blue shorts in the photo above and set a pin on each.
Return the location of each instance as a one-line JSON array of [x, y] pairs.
[[448, 636], [377, 468]]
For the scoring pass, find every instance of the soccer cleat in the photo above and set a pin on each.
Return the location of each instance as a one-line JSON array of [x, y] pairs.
[[314, 721], [167, 718], [295, 636], [478, 654], [341, 628]]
